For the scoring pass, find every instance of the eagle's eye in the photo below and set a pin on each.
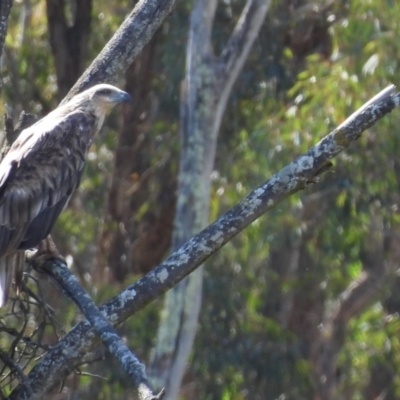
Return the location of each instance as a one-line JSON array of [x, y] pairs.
[[104, 92]]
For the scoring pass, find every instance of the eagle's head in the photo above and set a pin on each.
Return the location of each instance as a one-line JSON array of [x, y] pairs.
[[104, 97], [98, 99], [108, 94]]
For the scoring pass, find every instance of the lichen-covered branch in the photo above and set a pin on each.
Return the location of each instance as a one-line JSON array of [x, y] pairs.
[[58, 270], [66, 355]]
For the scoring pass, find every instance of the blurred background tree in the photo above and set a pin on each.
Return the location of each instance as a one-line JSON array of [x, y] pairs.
[[304, 303]]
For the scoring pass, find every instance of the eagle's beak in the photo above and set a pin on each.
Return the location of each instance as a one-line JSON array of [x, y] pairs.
[[123, 97]]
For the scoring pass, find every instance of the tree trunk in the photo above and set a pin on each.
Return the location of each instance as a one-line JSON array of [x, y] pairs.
[[204, 95], [68, 41], [128, 244]]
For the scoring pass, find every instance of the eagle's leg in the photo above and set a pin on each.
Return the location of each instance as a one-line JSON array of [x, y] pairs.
[[48, 260]]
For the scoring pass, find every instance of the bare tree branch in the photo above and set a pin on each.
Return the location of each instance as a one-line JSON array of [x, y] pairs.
[[57, 268], [127, 42], [228, 66], [66, 354], [239, 44]]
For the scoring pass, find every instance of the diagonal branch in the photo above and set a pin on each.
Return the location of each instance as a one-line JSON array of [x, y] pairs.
[[65, 355], [56, 267], [135, 32], [228, 66]]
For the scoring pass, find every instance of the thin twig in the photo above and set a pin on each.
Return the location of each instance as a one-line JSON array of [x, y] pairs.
[[9, 361]]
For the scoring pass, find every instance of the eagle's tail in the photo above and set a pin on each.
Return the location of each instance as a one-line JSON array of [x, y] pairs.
[[10, 266]]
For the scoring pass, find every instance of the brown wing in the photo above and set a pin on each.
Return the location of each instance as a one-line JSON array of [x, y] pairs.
[[39, 174]]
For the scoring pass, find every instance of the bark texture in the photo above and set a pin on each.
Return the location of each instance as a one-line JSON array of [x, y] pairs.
[[205, 92], [57, 268]]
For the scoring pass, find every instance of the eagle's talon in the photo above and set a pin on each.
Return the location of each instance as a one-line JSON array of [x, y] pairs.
[[46, 251]]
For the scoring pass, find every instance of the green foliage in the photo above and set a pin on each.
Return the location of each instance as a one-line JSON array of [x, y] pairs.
[[332, 220]]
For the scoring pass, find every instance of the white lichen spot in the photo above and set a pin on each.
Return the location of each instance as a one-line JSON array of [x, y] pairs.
[[253, 202], [217, 237], [285, 174], [273, 180], [259, 192], [113, 317], [202, 247], [375, 109], [305, 162], [127, 295], [318, 149], [270, 203], [162, 276], [396, 100], [182, 258]]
